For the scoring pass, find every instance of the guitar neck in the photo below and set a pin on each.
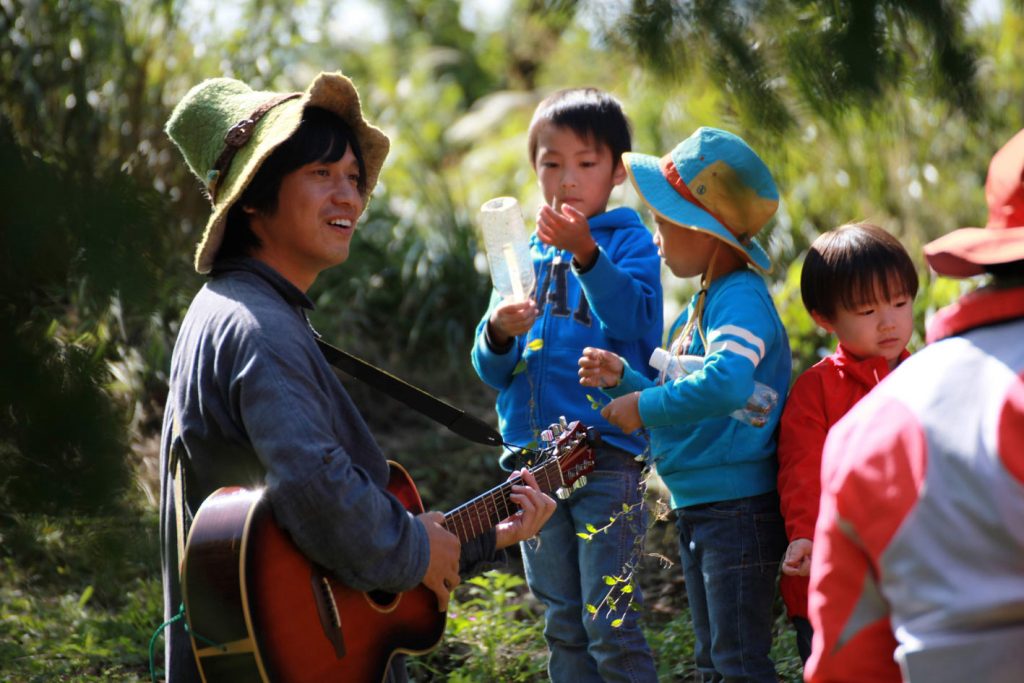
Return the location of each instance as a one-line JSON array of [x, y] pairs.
[[473, 518]]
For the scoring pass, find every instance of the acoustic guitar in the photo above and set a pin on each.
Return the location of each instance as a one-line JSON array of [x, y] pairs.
[[259, 610]]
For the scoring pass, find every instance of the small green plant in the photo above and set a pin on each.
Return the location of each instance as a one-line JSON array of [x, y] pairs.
[[492, 635], [620, 587]]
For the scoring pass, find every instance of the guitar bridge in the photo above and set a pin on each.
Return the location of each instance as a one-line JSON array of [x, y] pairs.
[[327, 610]]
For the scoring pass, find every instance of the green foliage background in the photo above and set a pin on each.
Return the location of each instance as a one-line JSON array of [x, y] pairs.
[[864, 109]]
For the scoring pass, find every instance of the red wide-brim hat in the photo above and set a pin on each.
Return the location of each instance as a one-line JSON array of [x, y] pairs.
[[968, 251]]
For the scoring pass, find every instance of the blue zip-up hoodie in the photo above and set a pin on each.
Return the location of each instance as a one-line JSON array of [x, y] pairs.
[[614, 305], [701, 453]]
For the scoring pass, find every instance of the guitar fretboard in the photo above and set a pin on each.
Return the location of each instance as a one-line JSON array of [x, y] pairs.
[[474, 517]]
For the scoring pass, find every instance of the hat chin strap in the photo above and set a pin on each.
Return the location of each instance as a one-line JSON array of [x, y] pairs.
[[698, 310]]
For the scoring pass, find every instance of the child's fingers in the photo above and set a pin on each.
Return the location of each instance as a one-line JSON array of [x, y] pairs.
[[572, 212]]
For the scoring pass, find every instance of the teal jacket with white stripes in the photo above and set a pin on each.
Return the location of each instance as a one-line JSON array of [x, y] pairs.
[[701, 453]]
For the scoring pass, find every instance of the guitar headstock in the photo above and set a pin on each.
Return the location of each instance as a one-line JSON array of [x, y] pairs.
[[572, 447]]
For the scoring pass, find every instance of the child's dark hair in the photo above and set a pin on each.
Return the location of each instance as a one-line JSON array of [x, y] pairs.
[[590, 113], [853, 265], [322, 136]]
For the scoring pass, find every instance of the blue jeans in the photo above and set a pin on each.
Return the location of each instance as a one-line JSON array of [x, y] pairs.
[[731, 552], [567, 573]]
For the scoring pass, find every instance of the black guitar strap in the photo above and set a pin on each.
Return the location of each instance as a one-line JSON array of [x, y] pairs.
[[466, 426]]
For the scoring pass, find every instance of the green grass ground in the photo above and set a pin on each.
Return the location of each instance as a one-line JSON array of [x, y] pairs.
[[80, 599]]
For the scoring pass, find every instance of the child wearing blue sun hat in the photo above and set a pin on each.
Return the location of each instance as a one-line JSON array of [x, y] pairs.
[[710, 196]]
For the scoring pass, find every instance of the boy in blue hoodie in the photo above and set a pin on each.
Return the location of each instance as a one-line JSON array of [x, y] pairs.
[[709, 197], [598, 276]]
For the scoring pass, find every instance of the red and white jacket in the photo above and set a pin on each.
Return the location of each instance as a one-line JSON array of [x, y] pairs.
[[918, 564], [819, 397]]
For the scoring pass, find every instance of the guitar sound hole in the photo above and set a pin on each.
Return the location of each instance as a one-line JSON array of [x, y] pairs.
[[382, 598]]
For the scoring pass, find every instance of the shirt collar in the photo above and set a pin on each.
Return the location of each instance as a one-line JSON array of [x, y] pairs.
[[985, 306], [246, 264], [869, 371]]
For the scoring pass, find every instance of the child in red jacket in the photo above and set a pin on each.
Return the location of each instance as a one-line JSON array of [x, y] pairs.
[[858, 283]]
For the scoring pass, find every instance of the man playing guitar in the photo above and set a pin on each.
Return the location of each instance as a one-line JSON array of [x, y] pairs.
[[252, 402]]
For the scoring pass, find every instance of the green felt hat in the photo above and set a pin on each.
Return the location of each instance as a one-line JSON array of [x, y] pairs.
[[225, 130]]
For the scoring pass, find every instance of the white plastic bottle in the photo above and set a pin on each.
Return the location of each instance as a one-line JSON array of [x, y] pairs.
[[508, 249], [759, 405]]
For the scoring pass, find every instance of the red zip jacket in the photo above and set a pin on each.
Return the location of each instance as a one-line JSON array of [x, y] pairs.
[[819, 397]]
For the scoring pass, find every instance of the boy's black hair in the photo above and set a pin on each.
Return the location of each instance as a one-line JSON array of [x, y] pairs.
[[854, 265], [590, 113], [322, 136]]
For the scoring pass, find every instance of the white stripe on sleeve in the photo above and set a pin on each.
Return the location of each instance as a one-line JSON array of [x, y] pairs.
[[740, 332], [737, 348]]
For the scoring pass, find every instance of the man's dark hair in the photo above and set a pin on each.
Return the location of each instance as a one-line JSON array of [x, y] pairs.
[[854, 265], [322, 136], [590, 113]]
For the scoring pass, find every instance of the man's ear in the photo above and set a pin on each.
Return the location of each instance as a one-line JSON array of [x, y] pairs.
[[822, 322]]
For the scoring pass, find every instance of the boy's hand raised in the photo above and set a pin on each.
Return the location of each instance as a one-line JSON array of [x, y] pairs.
[[568, 230], [600, 368], [511, 319]]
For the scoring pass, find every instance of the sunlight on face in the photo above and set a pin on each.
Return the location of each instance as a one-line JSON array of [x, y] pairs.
[[575, 171]]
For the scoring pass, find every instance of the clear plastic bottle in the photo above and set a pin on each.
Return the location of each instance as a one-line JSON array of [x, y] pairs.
[[759, 405], [508, 249]]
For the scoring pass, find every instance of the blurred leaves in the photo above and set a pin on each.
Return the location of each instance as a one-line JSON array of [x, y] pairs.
[[74, 253], [777, 58]]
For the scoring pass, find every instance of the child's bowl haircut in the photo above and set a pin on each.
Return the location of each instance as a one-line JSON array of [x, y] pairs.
[[854, 265]]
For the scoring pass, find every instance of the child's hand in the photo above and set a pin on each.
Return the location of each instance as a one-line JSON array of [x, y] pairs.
[[797, 561], [511, 319], [624, 412], [568, 230], [599, 368]]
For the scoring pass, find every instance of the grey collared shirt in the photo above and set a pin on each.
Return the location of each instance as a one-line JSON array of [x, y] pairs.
[[258, 405]]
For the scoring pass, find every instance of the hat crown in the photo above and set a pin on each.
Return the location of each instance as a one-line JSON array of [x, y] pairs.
[[728, 179], [969, 251], [200, 122], [1004, 187]]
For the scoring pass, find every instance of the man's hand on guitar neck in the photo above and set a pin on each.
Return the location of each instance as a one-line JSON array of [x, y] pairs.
[[443, 571], [535, 509]]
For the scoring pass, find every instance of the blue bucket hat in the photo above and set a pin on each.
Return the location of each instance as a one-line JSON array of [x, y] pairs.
[[714, 182]]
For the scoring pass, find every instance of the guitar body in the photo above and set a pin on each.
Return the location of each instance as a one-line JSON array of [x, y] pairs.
[[258, 610]]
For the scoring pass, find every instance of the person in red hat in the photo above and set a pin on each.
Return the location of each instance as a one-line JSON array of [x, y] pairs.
[[917, 572]]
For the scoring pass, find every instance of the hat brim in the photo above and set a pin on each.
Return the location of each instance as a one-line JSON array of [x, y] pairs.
[[645, 173], [967, 251], [331, 91]]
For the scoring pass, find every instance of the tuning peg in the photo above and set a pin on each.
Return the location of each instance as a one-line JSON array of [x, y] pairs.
[[562, 423], [582, 481], [562, 493], [547, 436], [593, 436], [555, 430]]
